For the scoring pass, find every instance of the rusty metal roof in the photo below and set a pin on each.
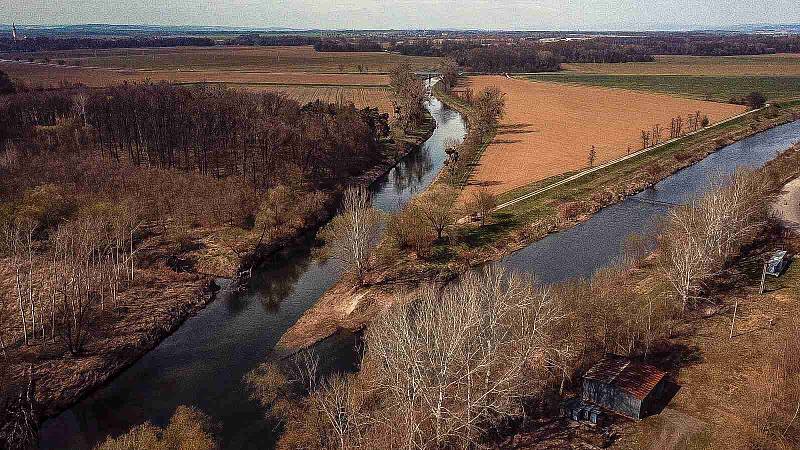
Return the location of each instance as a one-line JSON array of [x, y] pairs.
[[637, 379]]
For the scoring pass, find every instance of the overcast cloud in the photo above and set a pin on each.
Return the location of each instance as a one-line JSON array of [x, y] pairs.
[[366, 14]]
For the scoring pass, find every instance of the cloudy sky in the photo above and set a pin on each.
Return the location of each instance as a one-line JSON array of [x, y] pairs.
[[371, 14]]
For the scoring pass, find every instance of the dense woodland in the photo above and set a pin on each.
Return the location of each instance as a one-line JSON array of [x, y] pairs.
[[711, 44], [44, 43], [262, 137], [508, 59], [337, 45], [273, 40]]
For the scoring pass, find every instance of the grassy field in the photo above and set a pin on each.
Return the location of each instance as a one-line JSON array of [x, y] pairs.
[[713, 78], [759, 65], [260, 59], [549, 128], [712, 88]]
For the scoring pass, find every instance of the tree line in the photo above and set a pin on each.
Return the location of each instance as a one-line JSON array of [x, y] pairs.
[[265, 137], [340, 45], [713, 44], [45, 43]]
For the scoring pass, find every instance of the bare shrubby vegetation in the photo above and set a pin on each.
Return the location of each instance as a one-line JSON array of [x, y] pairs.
[[409, 93], [424, 220], [188, 428], [699, 239]]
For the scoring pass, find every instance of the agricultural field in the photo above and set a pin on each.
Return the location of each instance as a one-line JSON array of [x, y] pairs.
[[785, 64], [549, 128], [239, 58], [713, 78], [49, 75], [361, 97], [299, 71]]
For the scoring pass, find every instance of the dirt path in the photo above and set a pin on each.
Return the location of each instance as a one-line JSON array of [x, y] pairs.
[[678, 428], [787, 206]]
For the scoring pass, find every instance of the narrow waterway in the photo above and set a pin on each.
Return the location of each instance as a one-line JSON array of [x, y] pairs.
[[598, 242], [202, 364]]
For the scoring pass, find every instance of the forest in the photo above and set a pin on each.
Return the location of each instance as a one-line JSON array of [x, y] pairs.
[[508, 59], [263, 137], [336, 45], [45, 43]]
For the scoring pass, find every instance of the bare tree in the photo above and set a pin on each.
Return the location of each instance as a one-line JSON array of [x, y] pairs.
[[645, 139], [483, 203], [353, 234], [490, 106], [454, 363], [449, 71], [436, 207]]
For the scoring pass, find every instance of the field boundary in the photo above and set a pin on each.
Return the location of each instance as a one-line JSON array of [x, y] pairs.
[[617, 161]]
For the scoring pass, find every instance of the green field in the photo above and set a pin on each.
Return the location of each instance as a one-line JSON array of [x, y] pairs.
[[714, 88]]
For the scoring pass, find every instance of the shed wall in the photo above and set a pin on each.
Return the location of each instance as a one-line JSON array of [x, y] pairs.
[[609, 397]]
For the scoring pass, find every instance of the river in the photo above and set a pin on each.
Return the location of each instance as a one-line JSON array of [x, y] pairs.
[[203, 363], [582, 250]]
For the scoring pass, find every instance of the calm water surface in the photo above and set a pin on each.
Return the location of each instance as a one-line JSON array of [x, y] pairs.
[[594, 244]]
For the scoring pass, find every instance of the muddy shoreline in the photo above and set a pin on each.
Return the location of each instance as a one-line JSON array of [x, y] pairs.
[[347, 307], [65, 381]]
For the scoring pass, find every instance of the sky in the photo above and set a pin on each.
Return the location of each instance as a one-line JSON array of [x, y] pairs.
[[408, 14]]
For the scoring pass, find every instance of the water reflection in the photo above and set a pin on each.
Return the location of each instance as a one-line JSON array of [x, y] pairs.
[[418, 170]]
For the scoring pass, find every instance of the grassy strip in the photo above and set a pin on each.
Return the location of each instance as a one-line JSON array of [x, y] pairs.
[[474, 146], [564, 206], [711, 88]]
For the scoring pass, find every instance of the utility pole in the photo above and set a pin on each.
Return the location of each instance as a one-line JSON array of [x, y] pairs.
[[763, 279]]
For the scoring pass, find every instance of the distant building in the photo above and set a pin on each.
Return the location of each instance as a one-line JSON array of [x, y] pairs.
[[625, 387]]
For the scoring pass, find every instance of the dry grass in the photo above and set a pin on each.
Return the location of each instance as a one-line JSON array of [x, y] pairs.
[[549, 128], [721, 378], [760, 65], [361, 97], [52, 75], [264, 59]]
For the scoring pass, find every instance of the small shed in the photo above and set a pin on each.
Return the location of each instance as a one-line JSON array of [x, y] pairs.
[[777, 263], [624, 387]]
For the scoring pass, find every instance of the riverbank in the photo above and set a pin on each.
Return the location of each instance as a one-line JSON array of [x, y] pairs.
[[172, 285], [787, 206], [510, 230]]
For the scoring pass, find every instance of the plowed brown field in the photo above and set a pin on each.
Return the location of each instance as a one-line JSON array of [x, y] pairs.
[[549, 128]]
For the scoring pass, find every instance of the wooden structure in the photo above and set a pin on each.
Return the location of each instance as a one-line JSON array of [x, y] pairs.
[[624, 387]]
